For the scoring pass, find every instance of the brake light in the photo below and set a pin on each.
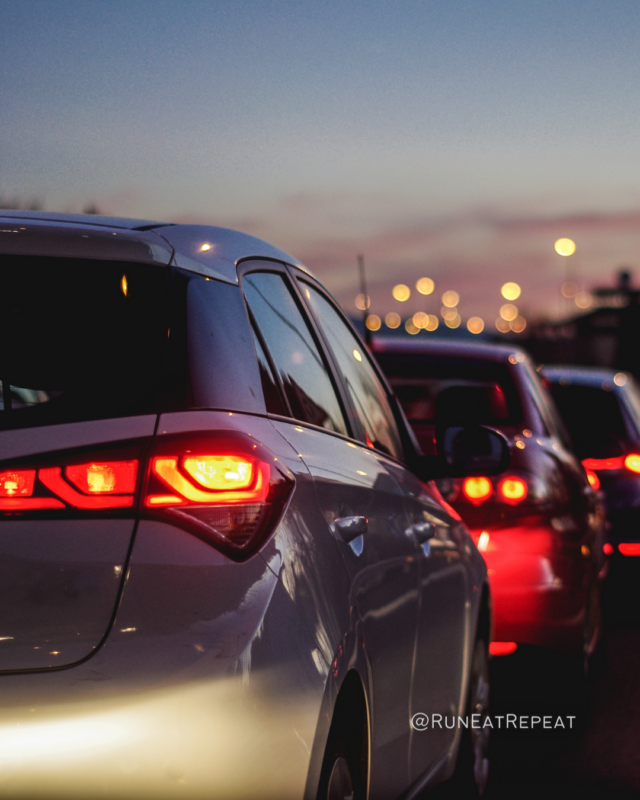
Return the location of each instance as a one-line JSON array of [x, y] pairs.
[[220, 472], [17, 483], [102, 485], [255, 478], [53, 480], [632, 463], [502, 648], [477, 490], [512, 490], [629, 548], [224, 488], [594, 480], [114, 477]]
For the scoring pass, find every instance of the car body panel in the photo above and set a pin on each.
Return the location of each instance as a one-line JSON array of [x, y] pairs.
[[218, 675]]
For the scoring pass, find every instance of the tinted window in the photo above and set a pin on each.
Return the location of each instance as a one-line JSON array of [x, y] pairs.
[[367, 393], [589, 409], [211, 359], [305, 378], [269, 386], [81, 339], [453, 391]]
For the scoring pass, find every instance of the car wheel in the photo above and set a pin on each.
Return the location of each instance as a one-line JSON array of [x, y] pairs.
[[472, 767], [340, 782]]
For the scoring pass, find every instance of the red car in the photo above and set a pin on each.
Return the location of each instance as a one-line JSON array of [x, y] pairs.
[[539, 524]]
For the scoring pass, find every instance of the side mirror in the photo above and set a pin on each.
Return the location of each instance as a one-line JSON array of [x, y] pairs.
[[474, 450], [600, 446], [464, 452]]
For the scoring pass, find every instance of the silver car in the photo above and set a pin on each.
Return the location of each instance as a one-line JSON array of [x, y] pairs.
[[224, 573]]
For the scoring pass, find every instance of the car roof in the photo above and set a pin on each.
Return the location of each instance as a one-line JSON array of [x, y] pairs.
[[205, 249], [435, 347], [580, 376]]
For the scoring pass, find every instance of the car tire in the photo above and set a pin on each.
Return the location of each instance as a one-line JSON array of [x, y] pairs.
[[471, 773], [344, 772]]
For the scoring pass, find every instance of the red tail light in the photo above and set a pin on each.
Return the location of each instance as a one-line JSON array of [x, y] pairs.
[[225, 488], [630, 462], [477, 490], [502, 648], [594, 480], [95, 485], [513, 490], [629, 548]]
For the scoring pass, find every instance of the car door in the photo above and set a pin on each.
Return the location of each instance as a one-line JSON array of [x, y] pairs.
[[441, 625], [361, 501]]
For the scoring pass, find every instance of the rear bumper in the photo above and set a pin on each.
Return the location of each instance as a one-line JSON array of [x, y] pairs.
[[539, 597], [206, 687]]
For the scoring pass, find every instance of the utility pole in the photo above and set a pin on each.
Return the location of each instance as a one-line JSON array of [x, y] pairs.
[[365, 300]]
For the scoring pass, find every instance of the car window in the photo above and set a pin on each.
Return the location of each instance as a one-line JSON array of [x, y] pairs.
[[453, 391], [368, 394], [81, 339], [305, 377], [269, 385], [547, 409], [589, 408]]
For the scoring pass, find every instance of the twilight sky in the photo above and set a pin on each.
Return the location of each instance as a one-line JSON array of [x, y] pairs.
[[450, 139]]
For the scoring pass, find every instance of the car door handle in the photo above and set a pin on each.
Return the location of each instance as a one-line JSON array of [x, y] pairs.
[[350, 528], [423, 531]]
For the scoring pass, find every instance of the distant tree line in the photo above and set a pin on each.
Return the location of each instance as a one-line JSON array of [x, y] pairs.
[[36, 204]]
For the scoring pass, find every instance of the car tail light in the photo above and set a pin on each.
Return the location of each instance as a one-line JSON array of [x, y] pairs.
[[630, 462], [477, 490], [594, 480], [629, 548], [94, 485], [224, 488], [513, 490], [502, 648], [607, 549]]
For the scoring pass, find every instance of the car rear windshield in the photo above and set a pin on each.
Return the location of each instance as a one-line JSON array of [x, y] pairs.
[[81, 339], [589, 408], [453, 391]]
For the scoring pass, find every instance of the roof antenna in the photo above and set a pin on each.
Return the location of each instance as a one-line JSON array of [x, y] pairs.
[[365, 301]]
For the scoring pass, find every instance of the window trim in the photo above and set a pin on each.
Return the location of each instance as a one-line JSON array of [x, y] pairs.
[[252, 266], [300, 277]]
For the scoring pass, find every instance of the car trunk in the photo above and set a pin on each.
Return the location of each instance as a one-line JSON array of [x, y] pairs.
[[80, 378]]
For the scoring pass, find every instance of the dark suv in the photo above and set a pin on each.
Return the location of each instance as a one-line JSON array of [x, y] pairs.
[[221, 572]]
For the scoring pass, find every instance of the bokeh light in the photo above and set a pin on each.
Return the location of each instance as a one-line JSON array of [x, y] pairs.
[[410, 327], [508, 312], [433, 323], [374, 323], [401, 292], [583, 300], [569, 289], [565, 247], [448, 313], [450, 299], [425, 286], [502, 325], [392, 320], [475, 325], [420, 319], [518, 324], [360, 302], [454, 322], [620, 379], [510, 291]]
